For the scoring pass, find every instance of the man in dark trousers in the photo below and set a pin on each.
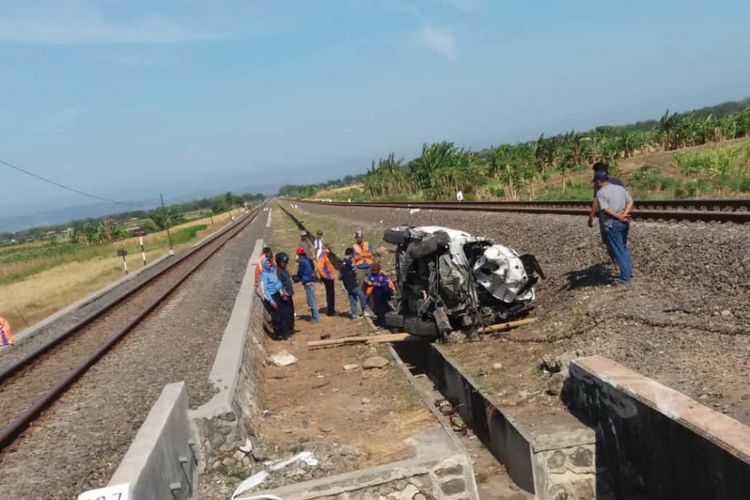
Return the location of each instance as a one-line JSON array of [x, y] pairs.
[[274, 295], [327, 274], [287, 313]]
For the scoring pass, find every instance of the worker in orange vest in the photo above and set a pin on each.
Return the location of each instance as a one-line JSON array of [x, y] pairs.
[[266, 254], [6, 335], [328, 273], [362, 258]]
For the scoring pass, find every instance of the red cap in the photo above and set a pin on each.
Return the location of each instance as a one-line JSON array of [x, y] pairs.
[[300, 251]]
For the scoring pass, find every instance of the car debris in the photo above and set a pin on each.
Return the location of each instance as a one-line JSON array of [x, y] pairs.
[[450, 280]]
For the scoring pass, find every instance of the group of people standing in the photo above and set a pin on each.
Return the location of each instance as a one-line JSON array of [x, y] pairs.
[[365, 282]]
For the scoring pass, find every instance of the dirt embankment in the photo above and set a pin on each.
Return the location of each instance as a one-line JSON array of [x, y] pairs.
[[685, 320]]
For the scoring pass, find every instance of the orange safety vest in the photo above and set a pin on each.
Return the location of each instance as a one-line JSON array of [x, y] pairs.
[[6, 335], [325, 268], [362, 255]]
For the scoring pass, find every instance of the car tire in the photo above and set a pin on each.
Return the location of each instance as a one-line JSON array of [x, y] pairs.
[[396, 235], [394, 320], [420, 328]]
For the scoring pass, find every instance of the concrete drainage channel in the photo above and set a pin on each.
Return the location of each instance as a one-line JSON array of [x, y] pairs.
[[625, 436]]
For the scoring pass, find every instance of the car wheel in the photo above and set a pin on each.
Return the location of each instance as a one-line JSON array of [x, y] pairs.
[[394, 320], [420, 328]]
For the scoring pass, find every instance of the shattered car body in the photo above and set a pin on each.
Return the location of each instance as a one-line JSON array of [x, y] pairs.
[[450, 280]]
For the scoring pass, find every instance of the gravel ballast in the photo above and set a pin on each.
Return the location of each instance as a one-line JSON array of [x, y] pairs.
[[80, 440]]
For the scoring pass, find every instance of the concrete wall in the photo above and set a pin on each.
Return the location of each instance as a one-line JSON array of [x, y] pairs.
[[160, 462], [550, 456], [657, 442]]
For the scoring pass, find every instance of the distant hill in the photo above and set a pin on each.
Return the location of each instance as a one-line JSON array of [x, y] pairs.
[[15, 223]]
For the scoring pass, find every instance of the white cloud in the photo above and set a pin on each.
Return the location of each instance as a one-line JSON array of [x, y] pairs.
[[74, 22], [440, 41]]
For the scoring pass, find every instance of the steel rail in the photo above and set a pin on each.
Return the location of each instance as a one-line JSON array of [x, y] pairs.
[[737, 211], [10, 369], [10, 431]]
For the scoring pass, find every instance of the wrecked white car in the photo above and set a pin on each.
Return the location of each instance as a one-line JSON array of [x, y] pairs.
[[450, 280]]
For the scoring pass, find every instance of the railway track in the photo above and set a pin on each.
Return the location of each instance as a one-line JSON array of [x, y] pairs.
[[736, 211], [31, 383]]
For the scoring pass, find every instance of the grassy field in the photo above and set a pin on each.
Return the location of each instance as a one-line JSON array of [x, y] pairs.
[[712, 170], [39, 278]]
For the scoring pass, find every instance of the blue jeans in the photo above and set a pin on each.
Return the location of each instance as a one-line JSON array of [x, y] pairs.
[[356, 294], [617, 238], [310, 294]]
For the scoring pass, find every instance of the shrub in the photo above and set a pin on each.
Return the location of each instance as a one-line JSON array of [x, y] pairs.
[[647, 177]]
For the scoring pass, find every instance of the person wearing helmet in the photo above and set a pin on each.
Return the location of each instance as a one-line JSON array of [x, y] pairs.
[[274, 296], [287, 309], [306, 274]]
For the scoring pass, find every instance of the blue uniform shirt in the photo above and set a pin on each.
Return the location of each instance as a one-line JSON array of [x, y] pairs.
[[306, 271], [270, 283]]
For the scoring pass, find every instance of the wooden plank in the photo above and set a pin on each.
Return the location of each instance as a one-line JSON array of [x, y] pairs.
[[506, 326], [364, 339]]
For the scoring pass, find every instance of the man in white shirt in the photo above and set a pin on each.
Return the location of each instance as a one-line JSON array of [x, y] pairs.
[[318, 245]]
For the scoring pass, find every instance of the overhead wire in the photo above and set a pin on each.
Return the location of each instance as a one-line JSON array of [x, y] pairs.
[[63, 186]]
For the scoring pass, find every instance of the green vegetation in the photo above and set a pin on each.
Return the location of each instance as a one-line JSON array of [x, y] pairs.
[[716, 172], [187, 234], [308, 190], [545, 168], [118, 226]]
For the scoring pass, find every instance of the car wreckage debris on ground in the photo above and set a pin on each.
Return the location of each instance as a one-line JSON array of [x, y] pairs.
[[449, 280]]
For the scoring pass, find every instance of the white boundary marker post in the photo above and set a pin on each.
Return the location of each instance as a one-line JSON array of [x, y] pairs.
[[143, 251]]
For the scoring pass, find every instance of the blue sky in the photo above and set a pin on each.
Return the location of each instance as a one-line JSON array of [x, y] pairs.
[[129, 98]]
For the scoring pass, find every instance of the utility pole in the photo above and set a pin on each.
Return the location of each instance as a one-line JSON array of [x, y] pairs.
[[166, 223]]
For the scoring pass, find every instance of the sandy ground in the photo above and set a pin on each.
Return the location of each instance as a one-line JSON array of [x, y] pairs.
[[37, 296], [684, 321], [350, 418]]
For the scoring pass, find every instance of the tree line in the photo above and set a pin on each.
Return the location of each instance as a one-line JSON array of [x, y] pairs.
[[95, 231], [443, 168]]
